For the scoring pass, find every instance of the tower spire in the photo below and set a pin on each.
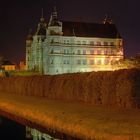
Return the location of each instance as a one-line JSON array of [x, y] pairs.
[[54, 18], [42, 13]]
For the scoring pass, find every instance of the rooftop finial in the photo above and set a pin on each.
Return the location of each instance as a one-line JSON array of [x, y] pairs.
[[106, 16], [73, 32], [42, 13], [107, 20]]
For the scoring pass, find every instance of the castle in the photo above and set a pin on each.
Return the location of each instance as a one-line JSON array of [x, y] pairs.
[[68, 47]]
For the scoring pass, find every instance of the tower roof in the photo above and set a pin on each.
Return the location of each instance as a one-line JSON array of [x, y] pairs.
[[54, 18], [41, 29], [82, 29], [29, 36]]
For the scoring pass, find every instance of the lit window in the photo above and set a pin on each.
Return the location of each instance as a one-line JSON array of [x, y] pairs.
[[106, 52], [98, 62], [91, 52], [91, 62], [112, 52], [78, 52], [106, 61], [84, 52], [98, 43], [98, 51]]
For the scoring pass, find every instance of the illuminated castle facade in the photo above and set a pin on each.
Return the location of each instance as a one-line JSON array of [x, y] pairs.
[[68, 47]]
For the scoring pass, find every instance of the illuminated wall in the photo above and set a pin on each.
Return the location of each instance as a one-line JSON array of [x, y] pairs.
[[8, 67], [78, 54], [53, 51]]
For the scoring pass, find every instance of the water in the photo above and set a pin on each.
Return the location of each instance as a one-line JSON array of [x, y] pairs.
[[11, 130], [15, 131]]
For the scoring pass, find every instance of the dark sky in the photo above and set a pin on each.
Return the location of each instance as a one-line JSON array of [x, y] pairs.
[[18, 16]]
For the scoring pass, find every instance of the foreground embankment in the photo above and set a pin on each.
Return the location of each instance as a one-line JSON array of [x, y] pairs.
[[119, 88], [72, 120]]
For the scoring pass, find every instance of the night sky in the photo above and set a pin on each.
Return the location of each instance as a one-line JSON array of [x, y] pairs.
[[18, 16]]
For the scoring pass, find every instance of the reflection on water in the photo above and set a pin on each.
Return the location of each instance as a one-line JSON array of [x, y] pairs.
[[15, 131], [34, 134]]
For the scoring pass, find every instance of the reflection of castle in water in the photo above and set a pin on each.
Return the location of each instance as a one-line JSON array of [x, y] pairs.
[[68, 47], [37, 135]]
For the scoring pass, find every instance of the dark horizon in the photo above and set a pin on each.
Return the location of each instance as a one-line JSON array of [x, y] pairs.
[[19, 16]]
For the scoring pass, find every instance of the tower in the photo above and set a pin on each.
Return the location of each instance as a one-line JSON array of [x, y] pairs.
[[54, 26], [29, 41], [37, 45]]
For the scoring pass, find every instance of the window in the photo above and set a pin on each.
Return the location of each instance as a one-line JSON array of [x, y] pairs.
[[84, 62], [84, 42], [91, 62], [78, 62], [112, 52], [64, 62], [98, 51], [68, 62], [98, 62], [106, 52], [84, 52], [78, 42], [65, 51], [52, 40], [51, 61], [68, 42], [98, 43], [112, 43], [91, 42], [91, 52], [106, 61], [78, 52], [51, 51], [105, 43]]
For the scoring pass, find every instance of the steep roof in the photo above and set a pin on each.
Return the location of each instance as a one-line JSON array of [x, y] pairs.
[[81, 29], [7, 62], [41, 29]]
